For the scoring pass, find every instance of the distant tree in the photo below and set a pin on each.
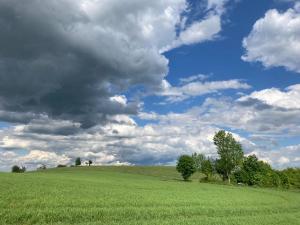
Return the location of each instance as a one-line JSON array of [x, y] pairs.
[[207, 168], [198, 160], [42, 167], [186, 166], [230, 153], [23, 169], [17, 169], [78, 162], [90, 162], [61, 166]]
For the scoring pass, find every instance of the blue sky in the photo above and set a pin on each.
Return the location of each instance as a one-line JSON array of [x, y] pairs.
[[147, 81]]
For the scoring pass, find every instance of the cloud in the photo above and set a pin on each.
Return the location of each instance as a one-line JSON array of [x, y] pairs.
[[288, 99], [122, 141], [70, 65], [275, 40], [191, 87], [206, 29], [32, 160]]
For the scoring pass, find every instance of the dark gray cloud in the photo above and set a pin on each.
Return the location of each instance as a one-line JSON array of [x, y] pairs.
[[68, 64]]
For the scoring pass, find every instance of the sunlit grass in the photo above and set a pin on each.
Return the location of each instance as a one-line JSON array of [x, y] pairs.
[[137, 195]]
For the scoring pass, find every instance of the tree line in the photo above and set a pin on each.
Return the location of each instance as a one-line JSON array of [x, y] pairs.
[[22, 169], [233, 166]]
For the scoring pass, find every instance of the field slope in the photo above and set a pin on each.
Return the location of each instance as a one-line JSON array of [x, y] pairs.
[[137, 195]]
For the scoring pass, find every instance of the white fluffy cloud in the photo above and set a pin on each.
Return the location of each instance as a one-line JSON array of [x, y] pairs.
[[122, 141], [288, 99], [275, 40], [193, 86], [205, 29]]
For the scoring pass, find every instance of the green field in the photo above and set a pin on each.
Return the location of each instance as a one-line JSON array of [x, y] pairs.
[[137, 195]]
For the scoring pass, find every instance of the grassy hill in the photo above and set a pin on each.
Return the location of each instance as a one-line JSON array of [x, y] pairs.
[[137, 195]]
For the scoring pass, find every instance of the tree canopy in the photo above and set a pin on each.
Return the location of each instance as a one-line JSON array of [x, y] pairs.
[[230, 153]]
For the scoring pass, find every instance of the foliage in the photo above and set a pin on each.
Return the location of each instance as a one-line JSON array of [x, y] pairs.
[[230, 153], [78, 162], [256, 172], [17, 169], [186, 166], [293, 175], [207, 168], [198, 160]]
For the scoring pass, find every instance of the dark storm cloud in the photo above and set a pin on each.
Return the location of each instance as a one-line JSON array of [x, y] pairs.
[[56, 60]]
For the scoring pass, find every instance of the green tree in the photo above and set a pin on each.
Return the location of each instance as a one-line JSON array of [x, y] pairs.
[[230, 153], [198, 160], [16, 169], [90, 162], [186, 166], [207, 168], [78, 162]]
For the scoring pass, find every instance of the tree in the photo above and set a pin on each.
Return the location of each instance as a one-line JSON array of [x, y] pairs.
[[17, 169], [90, 162], [186, 166], [230, 153], [207, 168], [198, 160], [78, 162]]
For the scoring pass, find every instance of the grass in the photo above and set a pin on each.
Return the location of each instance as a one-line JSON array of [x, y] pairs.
[[137, 195]]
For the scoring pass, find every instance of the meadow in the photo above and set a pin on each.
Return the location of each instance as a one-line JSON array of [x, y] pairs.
[[137, 195]]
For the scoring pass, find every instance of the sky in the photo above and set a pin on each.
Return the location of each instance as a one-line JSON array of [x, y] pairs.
[[142, 82]]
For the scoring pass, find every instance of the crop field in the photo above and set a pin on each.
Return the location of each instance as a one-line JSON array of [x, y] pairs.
[[137, 195]]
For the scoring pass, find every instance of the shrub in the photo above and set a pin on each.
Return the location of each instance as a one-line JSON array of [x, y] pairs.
[[293, 175], [186, 166]]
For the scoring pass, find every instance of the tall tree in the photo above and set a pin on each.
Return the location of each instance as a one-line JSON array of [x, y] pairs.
[[230, 153]]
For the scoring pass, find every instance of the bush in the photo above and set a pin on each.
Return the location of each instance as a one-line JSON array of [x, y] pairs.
[[186, 166], [256, 172], [293, 175]]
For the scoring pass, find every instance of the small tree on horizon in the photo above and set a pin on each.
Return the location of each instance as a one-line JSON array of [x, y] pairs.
[[78, 161], [17, 169], [90, 162], [186, 166], [230, 152]]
